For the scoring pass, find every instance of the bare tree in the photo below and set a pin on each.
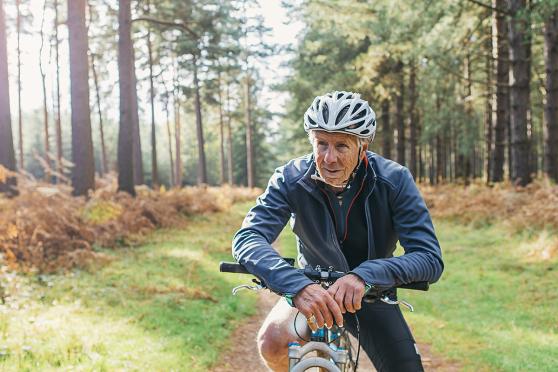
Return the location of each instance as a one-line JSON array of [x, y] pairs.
[[520, 45], [104, 161], [551, 104], [202, 169], [154, 168], [58, 126], [127, 85], [400, 119], [7, 154], [45, 104], [19, 118], [83, 172]]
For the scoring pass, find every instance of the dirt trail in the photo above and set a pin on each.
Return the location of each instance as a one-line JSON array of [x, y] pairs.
[[243, 356]]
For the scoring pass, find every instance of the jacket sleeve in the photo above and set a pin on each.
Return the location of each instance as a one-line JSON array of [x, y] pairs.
[[422, 260], [262, 225]]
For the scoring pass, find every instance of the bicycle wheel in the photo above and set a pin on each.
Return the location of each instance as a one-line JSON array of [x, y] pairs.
[[304, 364]]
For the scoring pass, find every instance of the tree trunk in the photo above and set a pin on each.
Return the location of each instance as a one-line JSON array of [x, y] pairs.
[[399, 107], [202, 170], [169, 137], [7, 153], [221, 132], [413, 121], [45, 104], [57, 119], [488, 126], [19, 118], [519, 90], [229, 139], [387, 131], [154, 168], [249, 144], [104, 163], [177, 129], [138, 159], [500, 103], [83, 172], [126, 84], [551, 104]]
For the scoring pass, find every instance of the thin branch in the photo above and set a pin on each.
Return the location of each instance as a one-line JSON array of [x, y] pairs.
[[497, 10], [168, 24]]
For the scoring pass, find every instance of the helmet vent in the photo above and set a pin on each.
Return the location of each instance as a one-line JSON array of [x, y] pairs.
[[325, 112], [341, 114]]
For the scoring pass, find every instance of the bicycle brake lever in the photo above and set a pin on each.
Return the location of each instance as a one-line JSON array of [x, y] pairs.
[[389, 301], [256, 288]]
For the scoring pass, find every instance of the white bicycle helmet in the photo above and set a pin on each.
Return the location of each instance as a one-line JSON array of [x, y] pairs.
[[343, 112]]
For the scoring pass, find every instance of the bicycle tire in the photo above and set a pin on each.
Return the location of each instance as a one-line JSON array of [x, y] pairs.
[[304, 364]]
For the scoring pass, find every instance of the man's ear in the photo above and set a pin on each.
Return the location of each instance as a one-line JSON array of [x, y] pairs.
[[364, 147]]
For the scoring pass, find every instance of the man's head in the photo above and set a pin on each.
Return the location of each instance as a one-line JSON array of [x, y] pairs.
[[336, 155], [339, 125]]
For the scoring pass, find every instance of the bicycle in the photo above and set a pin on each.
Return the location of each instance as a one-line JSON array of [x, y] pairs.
[[333, 346]]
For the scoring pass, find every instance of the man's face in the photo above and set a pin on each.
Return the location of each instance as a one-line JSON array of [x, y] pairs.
[[336, 155]]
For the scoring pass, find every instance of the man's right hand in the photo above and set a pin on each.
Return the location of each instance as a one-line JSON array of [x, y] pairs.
[[316, 301]]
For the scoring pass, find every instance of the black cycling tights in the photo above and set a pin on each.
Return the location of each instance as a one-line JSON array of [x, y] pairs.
[[385, 337]]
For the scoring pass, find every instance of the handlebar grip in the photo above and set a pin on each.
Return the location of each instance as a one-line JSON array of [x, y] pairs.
[[232, 267], [419, 286]]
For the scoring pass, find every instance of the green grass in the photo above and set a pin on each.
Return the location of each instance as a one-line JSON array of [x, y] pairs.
[[492, 309], [165, 307]]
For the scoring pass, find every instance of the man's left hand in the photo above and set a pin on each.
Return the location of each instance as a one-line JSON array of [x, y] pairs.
[[348, 292]]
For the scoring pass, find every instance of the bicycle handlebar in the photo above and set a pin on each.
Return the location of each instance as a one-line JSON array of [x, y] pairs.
[[316, 274]]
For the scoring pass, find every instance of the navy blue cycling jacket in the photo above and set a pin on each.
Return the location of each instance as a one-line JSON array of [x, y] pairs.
[[394, 210]]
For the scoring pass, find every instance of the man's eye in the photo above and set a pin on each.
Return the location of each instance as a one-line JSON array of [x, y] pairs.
[[342, 146]]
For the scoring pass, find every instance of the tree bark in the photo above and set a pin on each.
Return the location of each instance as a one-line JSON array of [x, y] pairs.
[[104, 162], [520, 44], [387, 130], [58, 125], [45, 104], [202, 169], [7, 153], [399, 107], [83, 172], [154, 167], [138, 159], [19, 118], [126, 84], [248, 123], [229, 139], [221, 131], [177, 129], [413, 121], [169, 137], [488, 126], [551, 104], [500, 98]]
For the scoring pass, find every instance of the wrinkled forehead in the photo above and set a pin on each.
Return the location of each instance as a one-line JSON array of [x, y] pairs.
[[333, 136]]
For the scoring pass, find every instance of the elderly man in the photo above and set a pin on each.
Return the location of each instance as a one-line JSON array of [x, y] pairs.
[[348, 208]]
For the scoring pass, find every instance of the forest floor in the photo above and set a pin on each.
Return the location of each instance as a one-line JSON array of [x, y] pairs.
[[164, 306]]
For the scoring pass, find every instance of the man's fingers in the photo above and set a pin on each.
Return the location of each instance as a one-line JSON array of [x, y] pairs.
[[319, 317], [339, 298], [335, 311], [349, 302]]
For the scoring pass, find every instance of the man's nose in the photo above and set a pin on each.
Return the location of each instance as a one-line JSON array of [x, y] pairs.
[[330, 155]]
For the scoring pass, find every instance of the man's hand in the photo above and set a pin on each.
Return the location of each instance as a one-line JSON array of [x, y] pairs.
[[313, 300], [348, 292]]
